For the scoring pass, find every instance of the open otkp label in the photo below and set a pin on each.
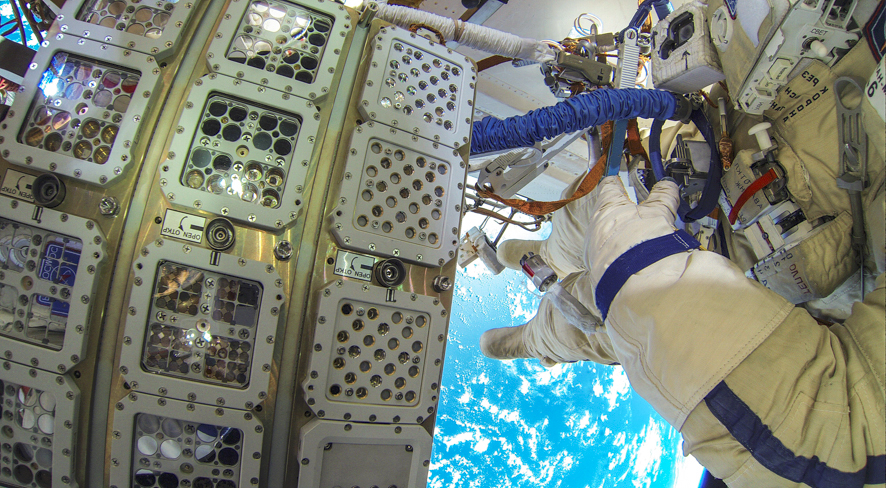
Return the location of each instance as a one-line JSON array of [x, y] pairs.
[[183, 226], [79, 107], [18, 185], [354, 265]]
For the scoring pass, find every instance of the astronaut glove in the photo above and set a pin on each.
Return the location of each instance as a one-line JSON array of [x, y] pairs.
[[618, 224]]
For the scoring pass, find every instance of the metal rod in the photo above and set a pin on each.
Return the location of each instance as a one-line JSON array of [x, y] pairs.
[[504, 228], [33, 23], [20, 25]]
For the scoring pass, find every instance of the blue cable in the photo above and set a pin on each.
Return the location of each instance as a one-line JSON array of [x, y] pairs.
[[642, 12], [711, 192], [576, 113]]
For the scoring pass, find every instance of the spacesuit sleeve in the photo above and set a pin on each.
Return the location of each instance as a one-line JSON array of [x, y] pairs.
[[549, 337], [680, 325], [562, 250]]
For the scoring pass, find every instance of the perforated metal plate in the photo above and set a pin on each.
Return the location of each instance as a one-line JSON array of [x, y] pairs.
[[48, 265], [237, 154], [401, 196], [166, 443], [148, 27], [419, 86], [375, 455], [79, 114], [293, 47], [379, 357], [201, 326], [38, 426]]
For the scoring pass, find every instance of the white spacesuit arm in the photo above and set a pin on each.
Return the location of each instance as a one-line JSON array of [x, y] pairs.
[[562, 251], [682, 323], [548, 336]]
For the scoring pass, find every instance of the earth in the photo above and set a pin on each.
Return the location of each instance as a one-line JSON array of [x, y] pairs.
[[517, 424]]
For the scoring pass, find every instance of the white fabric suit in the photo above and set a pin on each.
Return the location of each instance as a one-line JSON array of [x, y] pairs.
[[701, 342]]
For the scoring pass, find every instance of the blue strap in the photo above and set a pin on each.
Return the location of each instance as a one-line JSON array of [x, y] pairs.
[[636, 259], [750, 431]]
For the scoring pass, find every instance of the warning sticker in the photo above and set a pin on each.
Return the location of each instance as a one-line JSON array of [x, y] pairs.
[[354, 265], [183, 226], [18, 185]]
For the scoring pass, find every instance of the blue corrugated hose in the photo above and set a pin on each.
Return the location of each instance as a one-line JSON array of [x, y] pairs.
[[575, 113]]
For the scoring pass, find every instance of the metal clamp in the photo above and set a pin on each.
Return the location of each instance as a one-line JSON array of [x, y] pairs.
[[853, 163]]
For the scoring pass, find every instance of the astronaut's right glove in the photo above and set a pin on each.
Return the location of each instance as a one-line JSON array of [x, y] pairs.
[[618, 225], [679, 319]]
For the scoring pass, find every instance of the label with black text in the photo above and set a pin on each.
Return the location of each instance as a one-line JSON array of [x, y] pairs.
[[18, 185], [183, 226], [353, 265]]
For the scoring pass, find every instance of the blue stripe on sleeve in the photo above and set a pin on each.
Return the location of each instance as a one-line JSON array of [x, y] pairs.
[[750, 431]]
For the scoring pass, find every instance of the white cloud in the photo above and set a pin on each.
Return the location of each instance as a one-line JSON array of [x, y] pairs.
[[619, 439], [648, 456], [466, 397], [524, 386], [457, 438], [619, 388], [598, 388], [481, 445]]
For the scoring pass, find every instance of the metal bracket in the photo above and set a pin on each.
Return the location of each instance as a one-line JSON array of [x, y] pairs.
[[506, 182], [628, 56]]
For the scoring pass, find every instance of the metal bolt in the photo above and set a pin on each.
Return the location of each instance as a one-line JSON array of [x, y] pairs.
[[283, 250], [442, 284], [109, 206]]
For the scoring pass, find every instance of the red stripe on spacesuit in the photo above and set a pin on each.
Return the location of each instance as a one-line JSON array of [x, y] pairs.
[[756, 186]]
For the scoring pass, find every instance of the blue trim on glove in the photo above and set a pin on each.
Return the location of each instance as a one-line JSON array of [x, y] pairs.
[[635, 259]]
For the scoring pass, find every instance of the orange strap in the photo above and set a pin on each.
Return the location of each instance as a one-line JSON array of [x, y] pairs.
[[414, 28], [491, 61], [746, 195], [592, 178]]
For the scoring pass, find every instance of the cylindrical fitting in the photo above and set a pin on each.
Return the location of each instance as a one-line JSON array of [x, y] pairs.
[[283, 250], [390, 272], [49, 190], [442, 284], [368, 13], [538, 271], [220, 234], [759, 131], [682, 109]]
